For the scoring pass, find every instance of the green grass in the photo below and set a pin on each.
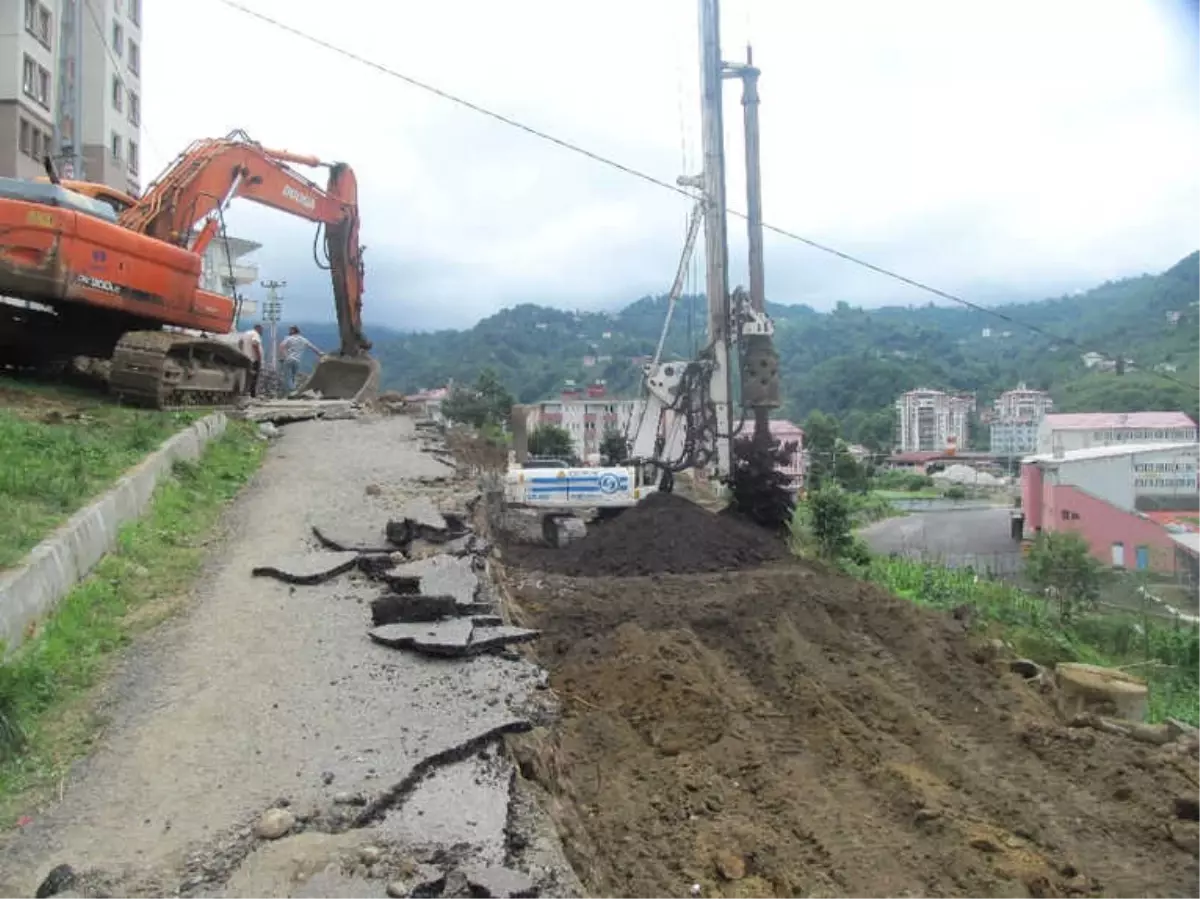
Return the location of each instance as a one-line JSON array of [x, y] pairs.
[[59, 449], [46, 718], [1166, 654], [925, 493]]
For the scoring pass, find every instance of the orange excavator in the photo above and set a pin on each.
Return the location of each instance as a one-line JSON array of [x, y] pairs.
[[87, 270]]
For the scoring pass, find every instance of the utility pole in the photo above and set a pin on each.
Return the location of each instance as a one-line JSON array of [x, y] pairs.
[[272, 313], [716, 244]]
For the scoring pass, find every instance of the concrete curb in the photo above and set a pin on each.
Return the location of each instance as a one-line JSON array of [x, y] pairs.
[[64, 558]]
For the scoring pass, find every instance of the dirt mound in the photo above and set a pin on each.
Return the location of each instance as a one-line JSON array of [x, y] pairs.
[[663, 534], [786, 732]]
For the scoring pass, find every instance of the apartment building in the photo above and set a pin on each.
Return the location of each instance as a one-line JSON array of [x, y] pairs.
[[933, 420], [108, 36], [586, 419], [70, 88], [28, 85], [1016, 416]]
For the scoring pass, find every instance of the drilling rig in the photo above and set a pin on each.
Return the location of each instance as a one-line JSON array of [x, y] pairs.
[[686, 417]]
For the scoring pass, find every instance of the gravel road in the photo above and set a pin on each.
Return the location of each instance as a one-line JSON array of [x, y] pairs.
[[262, 692]]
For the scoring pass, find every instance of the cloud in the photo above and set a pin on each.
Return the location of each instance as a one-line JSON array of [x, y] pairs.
[[1012, 149]]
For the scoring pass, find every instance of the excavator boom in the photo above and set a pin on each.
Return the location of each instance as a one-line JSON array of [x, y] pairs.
[[112, 274]]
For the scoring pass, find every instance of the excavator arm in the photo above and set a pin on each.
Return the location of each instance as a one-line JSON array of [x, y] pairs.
[[207, 176]]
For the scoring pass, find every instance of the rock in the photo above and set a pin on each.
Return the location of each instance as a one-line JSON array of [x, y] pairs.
[[348, 798], [985, 844], [1027, 668], [268, 429], [1158, 734], [500, 883], [370, 855], [1187, 808], [274, 823], [925, 815], [353, 538], [456, 886], [60, 879], [390, 608], [398, 889], [309, 568], [729, 865], [1178, 728]]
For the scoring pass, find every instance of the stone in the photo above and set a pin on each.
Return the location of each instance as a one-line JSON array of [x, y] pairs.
[[500, 883], [1187, 808], [389, 608], [309, 568], [274, 823], [1027, 668], [729, 865], [370, 855], [353, 538], [60, 879], [345, 797], [456, 886], [398, 889], [1178, 728]]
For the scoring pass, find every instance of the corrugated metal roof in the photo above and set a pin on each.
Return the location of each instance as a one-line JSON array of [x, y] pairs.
[[1105, 452], [1190, 542], [1085, 421]]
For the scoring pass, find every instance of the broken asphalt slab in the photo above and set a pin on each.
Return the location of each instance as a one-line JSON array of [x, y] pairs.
[[500, 883], [455, 637], [440, 575], [308, 568], [391, 609], [354, 538]]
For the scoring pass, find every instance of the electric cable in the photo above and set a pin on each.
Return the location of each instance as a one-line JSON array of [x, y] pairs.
[[674, 188]]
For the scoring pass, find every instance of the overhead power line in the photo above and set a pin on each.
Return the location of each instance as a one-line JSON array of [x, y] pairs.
[[667, 185]]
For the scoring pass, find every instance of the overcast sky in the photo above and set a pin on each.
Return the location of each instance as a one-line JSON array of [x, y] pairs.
[[1004, 150]]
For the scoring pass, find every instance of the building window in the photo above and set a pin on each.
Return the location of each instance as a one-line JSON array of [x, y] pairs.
[[35, 82], [135, 11], [133, 158], [26, 138], [118, 94], [117, 6], [1118, 555], [135, 109], [116, 147], [37, 22], [118, 39], [135, 57]]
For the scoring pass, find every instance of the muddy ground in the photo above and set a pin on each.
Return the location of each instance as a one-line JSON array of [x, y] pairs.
[[789, 732]]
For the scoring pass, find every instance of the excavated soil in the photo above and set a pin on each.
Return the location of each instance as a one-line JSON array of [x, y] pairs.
[[788, 732], [663, 534]]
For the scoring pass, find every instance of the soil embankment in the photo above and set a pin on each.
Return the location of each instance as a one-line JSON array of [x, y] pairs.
[[781, 730]]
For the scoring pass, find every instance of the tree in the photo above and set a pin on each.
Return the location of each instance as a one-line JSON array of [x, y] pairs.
[[758, 488], [1061, 563], [486, 403], [831, 520], [820, 442], [552, 442], [614, 448]]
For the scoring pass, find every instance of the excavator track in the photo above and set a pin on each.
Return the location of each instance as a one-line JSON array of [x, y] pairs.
[[169, 371]]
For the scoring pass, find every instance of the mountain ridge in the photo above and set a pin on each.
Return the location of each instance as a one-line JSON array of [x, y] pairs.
[[850, 362]]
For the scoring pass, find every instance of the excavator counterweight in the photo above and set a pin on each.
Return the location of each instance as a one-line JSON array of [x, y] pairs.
[[89, 271]]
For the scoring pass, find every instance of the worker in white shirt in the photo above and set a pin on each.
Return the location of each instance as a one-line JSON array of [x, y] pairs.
[[291, 348], [250, 344]]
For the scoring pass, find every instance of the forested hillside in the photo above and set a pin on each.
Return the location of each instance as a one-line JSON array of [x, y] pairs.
[[849, 362]]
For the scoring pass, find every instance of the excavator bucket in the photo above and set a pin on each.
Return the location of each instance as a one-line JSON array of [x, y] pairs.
[[345, 378]]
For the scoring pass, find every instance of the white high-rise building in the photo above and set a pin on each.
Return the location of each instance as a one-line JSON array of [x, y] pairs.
[[28, 85], [1017, 415], [110, 91], [933, 420], [71, 89]]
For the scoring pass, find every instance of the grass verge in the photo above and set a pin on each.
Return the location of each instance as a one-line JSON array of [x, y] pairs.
[[59, 449], [1166, 653], [46, 717]]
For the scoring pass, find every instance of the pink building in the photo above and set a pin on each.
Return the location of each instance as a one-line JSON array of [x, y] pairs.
[[1116, 498]]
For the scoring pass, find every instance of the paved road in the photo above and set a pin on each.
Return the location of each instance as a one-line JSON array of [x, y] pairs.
[[978, 537], [261, 692]]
